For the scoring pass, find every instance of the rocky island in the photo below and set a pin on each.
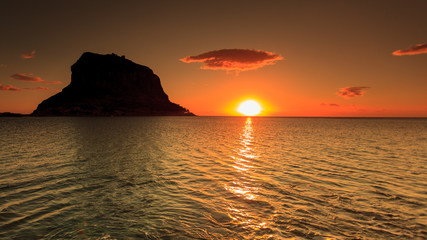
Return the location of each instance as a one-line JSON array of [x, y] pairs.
[[110, 85]]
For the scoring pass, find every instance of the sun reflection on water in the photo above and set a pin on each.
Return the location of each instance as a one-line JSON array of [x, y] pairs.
[[243, 186], [243, 164]]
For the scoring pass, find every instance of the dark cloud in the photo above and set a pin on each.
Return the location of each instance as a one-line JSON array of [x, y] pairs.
[[234, 59], [417, 49], [29, 55], [351, 92], [9, 88], [30, 78]]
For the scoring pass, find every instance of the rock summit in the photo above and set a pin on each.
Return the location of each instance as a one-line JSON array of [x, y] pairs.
[[110, 85]]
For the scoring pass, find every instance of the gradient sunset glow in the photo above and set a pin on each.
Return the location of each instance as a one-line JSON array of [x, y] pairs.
[[296, 58]]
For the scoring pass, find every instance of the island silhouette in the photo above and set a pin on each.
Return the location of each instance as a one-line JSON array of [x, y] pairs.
[[110, 85]]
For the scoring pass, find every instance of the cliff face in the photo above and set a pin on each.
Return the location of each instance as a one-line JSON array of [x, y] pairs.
[[109, 85]]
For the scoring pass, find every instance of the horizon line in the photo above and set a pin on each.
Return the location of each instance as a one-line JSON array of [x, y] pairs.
[[12, 114]]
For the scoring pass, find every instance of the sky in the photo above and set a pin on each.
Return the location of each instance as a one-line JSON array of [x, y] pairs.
[[296, 58]]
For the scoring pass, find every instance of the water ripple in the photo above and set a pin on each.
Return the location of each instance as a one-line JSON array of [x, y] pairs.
[[212, 178]]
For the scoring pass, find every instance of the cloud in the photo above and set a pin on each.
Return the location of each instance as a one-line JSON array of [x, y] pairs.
[[15, 89], [38, 88], [9, 88], [234, 59], [330, 104], [43, 88], [417, 49], [30, 78], [351, 92], [29, 55]]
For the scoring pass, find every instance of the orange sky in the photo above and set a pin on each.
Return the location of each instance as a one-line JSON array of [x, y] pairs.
[[299, 54]]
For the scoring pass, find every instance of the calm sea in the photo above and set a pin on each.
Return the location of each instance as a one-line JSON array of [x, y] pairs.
[[212, 178]]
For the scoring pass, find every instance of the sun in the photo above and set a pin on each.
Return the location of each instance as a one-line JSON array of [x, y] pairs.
[[249, 108]]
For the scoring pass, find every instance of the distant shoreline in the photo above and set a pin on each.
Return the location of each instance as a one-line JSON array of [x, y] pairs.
[[10, 114]]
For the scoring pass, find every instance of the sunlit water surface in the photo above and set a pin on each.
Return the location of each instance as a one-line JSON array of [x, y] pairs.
[[212, 178]]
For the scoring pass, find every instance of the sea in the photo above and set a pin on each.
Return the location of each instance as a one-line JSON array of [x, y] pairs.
[[213, 178]]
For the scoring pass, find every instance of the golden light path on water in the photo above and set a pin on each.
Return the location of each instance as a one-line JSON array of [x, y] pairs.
[[241, 184]]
